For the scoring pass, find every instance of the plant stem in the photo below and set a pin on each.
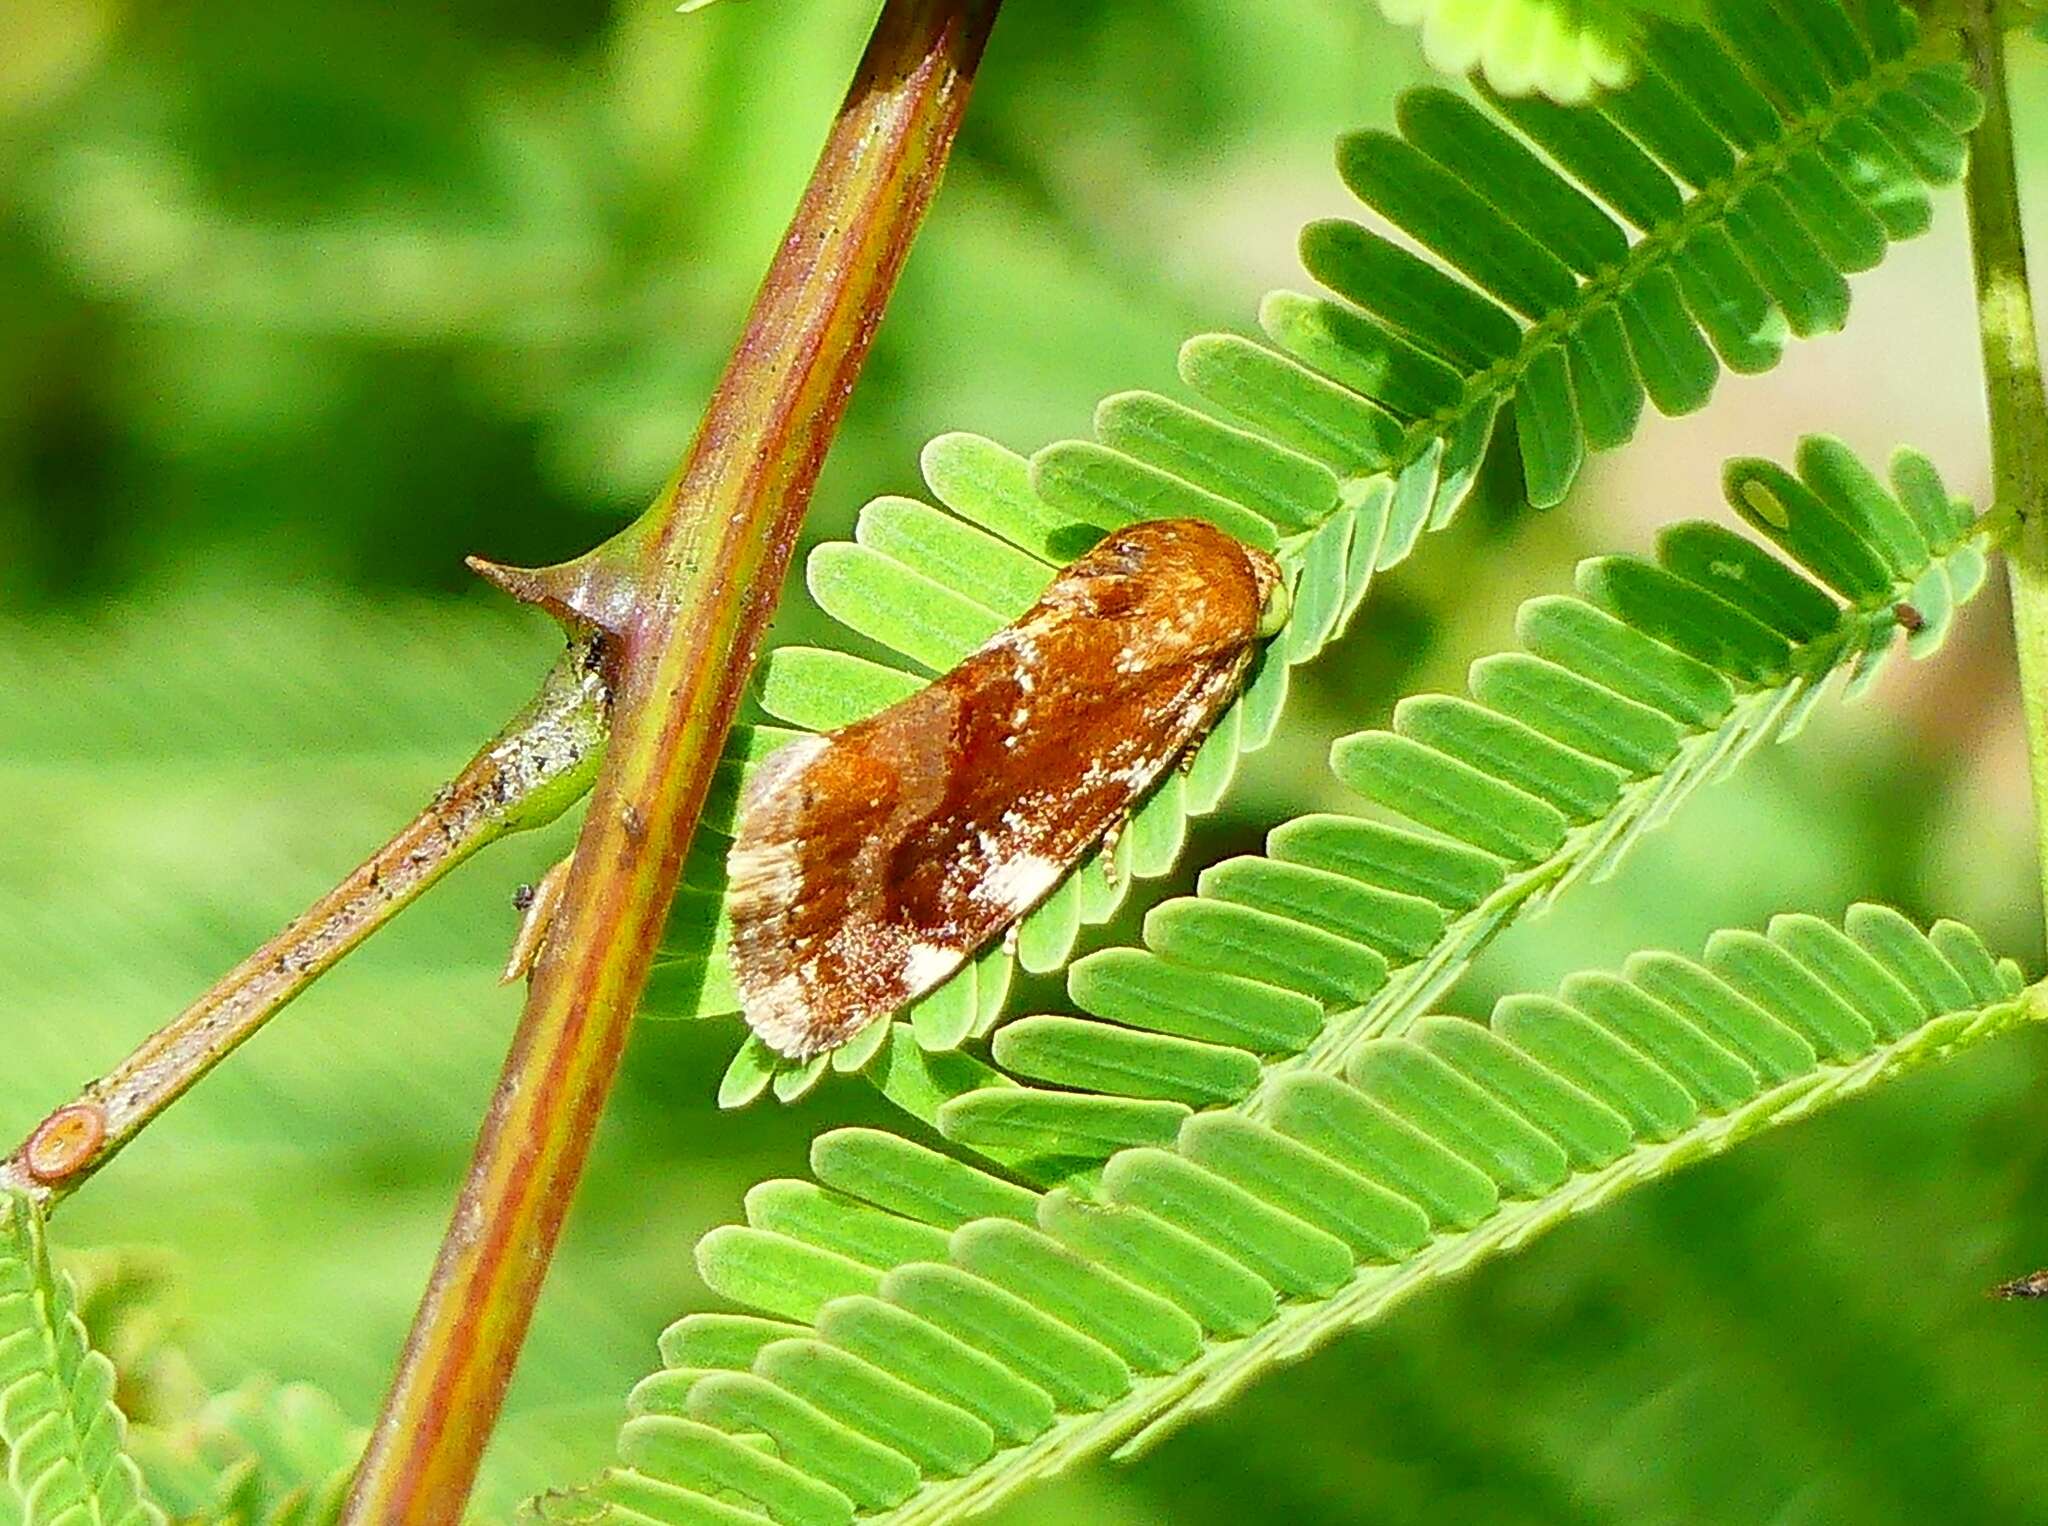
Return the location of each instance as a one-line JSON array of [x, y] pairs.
[[527, 776], [711, 557], [2013, 387]]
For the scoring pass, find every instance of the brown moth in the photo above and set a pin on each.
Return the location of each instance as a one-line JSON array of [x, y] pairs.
[[871, 863]]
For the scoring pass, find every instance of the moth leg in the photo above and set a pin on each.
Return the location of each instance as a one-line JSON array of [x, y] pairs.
[[1110, 839], [536, 904], [1010, 939]]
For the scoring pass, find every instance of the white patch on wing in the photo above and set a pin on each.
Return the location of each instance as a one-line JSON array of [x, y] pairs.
[[781, 1016], [763, 878], [926, 964], [764, 866], [1020, 884]]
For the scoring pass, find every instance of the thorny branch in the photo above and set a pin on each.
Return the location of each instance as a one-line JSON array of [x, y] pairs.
[[688, 591]]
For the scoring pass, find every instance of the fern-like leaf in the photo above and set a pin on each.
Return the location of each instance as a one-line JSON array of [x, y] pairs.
[[926, 1338], [1759, 162], [59, 1427]]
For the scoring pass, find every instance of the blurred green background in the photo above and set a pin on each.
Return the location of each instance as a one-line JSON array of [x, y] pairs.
[[299, 303]]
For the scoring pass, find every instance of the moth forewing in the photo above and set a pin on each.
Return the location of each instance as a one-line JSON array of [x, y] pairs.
[[869, 864]]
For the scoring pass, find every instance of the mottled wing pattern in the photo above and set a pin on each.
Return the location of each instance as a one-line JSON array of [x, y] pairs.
[[870, 864]]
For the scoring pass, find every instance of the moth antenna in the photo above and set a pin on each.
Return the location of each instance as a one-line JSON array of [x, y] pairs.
[[537, 905]]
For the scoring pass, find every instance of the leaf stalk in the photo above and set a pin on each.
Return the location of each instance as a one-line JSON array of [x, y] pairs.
[[2014, 393]]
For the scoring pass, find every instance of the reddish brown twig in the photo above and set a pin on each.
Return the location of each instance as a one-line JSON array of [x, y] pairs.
[[528, 774], [702, 569]]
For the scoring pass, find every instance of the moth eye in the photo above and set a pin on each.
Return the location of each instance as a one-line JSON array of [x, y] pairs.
[[1121, 553]]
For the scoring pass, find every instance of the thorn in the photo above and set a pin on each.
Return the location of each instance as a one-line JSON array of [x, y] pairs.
[[597, 591], [2033, 1285], [538, 902], [527, 584]]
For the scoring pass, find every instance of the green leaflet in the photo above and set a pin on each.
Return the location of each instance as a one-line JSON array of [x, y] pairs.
[[1365, 423], [1069, 1322], [61, 1431], [1564, 49]]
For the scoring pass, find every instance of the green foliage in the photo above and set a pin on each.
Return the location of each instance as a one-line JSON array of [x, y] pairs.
[[1565, 49], [260, 1455], [926, 1338], [59, 1426], [1261, 1137], [1805, 151], [559, 216]]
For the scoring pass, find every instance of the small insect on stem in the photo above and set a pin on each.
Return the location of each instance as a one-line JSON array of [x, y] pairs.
[[2033, 1285], [871, 863], [537, 903], [1910, 619]]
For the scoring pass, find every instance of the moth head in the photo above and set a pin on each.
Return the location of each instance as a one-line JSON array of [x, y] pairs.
[[1196, 549]]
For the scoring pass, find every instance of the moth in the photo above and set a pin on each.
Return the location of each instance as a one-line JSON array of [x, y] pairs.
[[870, 863]]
